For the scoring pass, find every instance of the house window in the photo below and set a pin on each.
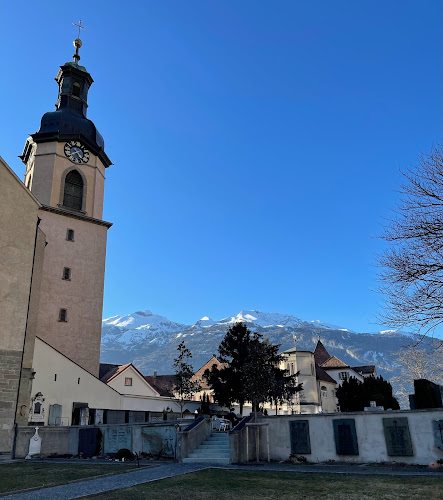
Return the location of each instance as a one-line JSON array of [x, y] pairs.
[[66, 273], [70, 235], [344, 375], [73, 192], [324, 391], [62, 315], [128, 381]]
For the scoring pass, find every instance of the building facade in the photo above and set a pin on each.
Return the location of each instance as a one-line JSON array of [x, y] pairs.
[[65, 170]]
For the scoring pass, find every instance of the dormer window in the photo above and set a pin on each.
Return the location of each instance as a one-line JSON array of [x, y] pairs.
[[73, 192], [76, 89]]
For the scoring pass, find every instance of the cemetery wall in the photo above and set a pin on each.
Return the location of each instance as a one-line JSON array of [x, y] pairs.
[[402, 436], [158, 439]]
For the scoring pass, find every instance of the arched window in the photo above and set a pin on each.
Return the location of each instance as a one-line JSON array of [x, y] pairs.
[[76, 89], [73, 192]]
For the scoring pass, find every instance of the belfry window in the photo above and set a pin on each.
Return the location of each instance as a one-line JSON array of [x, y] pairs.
[[76, 89], [73, 192]]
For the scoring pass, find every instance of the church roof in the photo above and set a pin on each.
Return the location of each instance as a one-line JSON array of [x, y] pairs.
[[334, 362], [322, 375], [320, 353]]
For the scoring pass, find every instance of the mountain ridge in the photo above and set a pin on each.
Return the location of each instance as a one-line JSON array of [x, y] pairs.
[[150, 341]]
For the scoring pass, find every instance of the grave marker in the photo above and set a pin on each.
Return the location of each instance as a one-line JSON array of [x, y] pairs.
[[345, 436], [437, 427], [117, 438], [397, 436], [300, 440]]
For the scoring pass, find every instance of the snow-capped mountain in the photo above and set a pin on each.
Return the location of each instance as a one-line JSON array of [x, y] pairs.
[[150, 341]]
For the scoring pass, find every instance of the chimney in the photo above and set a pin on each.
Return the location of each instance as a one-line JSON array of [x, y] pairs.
[[155, 374]]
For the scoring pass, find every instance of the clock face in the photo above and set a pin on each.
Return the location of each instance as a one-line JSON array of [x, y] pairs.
[[76, 152]]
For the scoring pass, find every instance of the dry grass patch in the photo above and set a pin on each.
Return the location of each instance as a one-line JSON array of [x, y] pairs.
[[264, 485], [23, 475]]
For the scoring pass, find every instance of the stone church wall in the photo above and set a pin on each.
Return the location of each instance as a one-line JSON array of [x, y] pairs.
[[18, 222]]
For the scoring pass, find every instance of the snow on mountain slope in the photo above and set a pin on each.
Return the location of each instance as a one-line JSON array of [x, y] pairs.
[[150, 341]]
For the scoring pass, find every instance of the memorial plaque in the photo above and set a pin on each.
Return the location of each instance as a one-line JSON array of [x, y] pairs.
[[345, 436], [159, 440], [89, 442], [137, 417], [98, 418], [117, 438], [299, 433], [55, 414], [397, 436], [156, 416], [437, 427], [115, 417]]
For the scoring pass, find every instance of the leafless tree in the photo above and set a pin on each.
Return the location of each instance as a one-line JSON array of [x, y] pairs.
[[415, 363], [412, 267]]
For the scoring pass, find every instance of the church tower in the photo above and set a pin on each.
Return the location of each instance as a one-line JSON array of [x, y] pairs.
[[65, 170]]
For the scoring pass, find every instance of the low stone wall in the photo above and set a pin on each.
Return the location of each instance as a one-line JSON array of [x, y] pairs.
[[191, 438], [154, 439], [414, 437], [55, 440]]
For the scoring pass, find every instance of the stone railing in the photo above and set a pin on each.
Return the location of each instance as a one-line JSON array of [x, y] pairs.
[[191, 437]]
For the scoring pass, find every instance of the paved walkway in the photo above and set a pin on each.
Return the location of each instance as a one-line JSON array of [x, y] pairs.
[[80, 489], [87, 487]]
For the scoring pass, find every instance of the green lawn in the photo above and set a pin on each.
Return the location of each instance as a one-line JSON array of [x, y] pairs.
[[262, 485], [23, 475]]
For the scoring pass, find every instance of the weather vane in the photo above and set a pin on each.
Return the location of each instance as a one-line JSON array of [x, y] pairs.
[[80, 27]]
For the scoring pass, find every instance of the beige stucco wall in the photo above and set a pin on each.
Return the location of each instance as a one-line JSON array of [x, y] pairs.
[[78, 338], [48, 169], [303, 362], [370, 436], [66, 390], [335, 374], [18, 225], [139, 385], [328, 403]]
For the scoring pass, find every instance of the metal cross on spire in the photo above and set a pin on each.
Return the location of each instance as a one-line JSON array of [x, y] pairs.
[[80, 27]]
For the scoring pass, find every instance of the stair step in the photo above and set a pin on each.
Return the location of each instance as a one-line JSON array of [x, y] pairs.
[[220, 461], [207, 446], [200, 453]]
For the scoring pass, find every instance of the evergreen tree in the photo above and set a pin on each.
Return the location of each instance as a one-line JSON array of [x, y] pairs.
[[354, 395], [251, 371]]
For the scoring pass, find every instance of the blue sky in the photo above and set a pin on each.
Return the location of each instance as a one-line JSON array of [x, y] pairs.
[[256, 144]]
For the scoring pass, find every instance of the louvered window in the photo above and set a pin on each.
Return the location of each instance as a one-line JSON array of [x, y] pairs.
[[73, 193]]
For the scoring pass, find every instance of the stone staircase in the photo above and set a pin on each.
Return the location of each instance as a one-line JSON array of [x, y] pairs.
[[214, 450]]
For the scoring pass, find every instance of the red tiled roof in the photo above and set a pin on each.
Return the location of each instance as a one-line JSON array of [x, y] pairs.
[[320, 353], [334, 362], [198, 375], [113, 372], [163, 384]]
